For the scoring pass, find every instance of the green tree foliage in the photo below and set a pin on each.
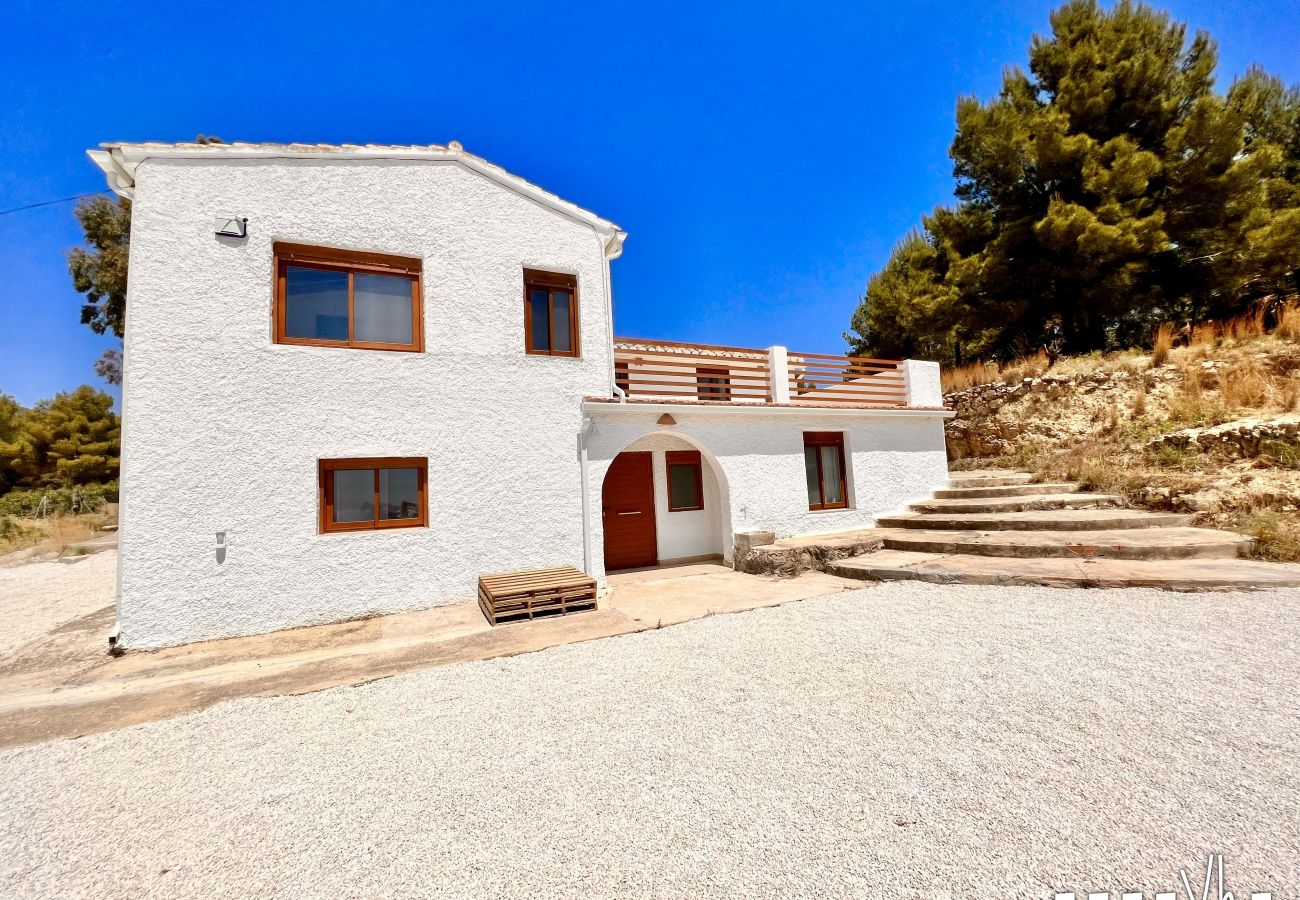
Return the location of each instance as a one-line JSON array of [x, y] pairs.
[[73, 439], [10, 430], [99, 269], [1106, 189]]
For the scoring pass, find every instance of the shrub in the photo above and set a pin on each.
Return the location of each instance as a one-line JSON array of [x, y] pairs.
[[1276, 538], [27, 504], [10, 530], [1285, 455]]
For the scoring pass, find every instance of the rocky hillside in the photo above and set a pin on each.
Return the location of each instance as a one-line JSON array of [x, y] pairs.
[[1209, 428]]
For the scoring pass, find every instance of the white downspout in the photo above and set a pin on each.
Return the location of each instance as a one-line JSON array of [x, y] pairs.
[[586, 498], [609, 313]]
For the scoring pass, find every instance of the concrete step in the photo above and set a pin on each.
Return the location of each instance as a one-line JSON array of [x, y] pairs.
[[1038, 520], [1136, 543], [1176, 575], [1006, 490], [988, 478], [1018, 504]]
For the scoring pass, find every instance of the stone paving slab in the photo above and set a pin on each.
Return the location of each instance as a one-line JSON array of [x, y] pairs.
[[1018, 504], [1175, 575], [1039, 520], [1134, 543], [988, 478], [1005, 490]]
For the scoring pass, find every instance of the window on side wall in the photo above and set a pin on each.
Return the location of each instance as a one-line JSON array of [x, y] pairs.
[[823, 460], [685, 481], [713, 383], [347, 298], [550, 313], [370, 493]]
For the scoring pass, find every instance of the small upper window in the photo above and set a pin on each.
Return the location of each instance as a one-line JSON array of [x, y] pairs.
[[713, 383], [347, 298], [823, 459], [550, 313], [370, 493], [685, 486]]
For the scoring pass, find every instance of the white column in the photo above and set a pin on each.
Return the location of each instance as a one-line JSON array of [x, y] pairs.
[[778, 373], [922, 379]]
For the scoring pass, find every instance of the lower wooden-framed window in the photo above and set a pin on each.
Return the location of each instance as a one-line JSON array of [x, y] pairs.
[[685, 480], [326, 297], [712, 383], [369, 493], [823, 460], [550, 313]]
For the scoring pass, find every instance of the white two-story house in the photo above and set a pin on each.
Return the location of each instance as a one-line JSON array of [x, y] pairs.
[[358, 377]]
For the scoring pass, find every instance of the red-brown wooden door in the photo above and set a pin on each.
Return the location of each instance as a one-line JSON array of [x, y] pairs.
[[628, 511]]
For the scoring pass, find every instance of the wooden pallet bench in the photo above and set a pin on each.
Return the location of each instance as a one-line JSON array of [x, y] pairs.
[[519, 596]]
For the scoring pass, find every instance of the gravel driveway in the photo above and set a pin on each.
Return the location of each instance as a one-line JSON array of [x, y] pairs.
[[37, 597], [906, 740]]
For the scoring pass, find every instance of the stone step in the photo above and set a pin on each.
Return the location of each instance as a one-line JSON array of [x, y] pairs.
[[1006, 490], [1038, 520], [1136, 543], [1176, 575], [1018, 504], [988, 478]]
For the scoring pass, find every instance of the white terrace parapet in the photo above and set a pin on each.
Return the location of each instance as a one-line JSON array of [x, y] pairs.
[[710, 373]]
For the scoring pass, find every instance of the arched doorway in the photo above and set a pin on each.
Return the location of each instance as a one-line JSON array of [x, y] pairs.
[[663, 501]]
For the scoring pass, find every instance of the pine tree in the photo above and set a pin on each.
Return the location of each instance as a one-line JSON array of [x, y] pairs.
[[1105, 189], [10, 431], [72, 439], [99, 271]]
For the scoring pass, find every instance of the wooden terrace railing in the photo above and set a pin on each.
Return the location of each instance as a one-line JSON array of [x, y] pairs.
[[646, 369], [817, 377], [679, 371]]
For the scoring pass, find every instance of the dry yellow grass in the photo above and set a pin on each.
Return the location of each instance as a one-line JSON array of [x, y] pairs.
[[1164, 342], [1288, 321], [1100, 435], [962, 377], [55, 534], [1245, 386]]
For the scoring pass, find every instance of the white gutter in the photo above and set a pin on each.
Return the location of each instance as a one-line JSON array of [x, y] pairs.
[[596, 406]]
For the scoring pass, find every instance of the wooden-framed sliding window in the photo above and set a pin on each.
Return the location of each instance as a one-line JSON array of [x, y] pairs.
[[685, 480], [550, 313], [712, 383], [368, 493], [347, 298], [823, 459]]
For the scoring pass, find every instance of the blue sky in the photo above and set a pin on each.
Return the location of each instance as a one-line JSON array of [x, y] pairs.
[[764, 157]]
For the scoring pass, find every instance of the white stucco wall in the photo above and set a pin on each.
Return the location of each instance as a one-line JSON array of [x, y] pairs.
[[223, 428], [924, 387], [686, 533], [892, 460]]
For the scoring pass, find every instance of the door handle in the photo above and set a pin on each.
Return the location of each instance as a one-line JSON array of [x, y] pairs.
[[635, 512]]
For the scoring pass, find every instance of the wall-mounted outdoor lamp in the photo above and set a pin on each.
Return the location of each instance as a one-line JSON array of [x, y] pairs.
[[232, 226]]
